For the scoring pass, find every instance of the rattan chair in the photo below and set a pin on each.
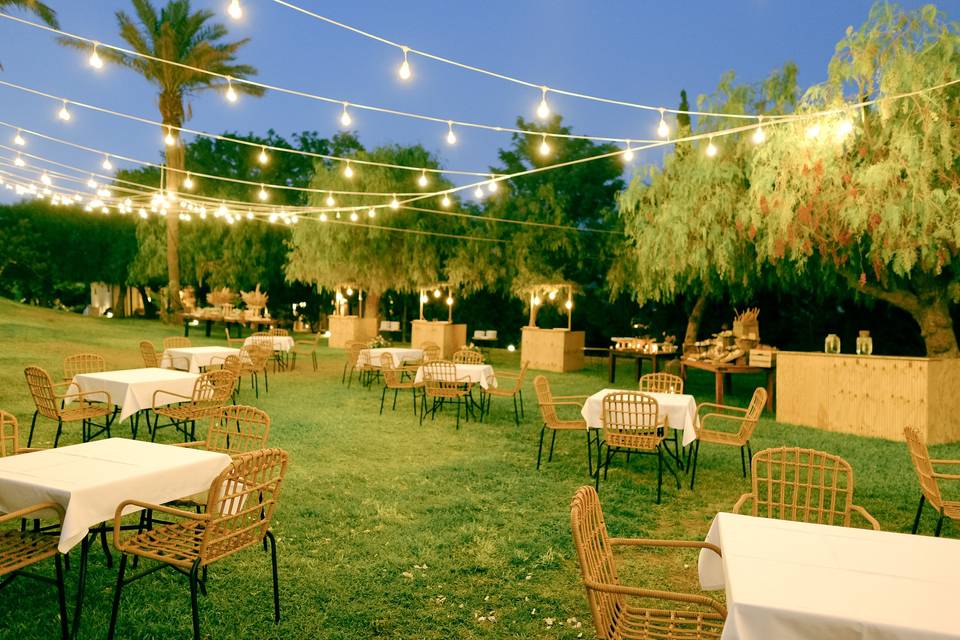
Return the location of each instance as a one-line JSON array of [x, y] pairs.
[[151, 358], [305, 347], [233, 365], [265, 338], [615, 607], [211, 392], [254, 359], [441, 385], [352, 363], [431, 351], [515, 391], [744, 420], [240, 506], [662, 382], [21, 549], [90, 406], [176, 342], [467, 356], [548, 404], [231, 341], [393, 380], [803, 485], [10, 436], [83, 363], [930, 481], [632, 424]]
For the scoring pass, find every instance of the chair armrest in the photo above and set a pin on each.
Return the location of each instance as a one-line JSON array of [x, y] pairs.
[[34, 508], [688, 598], [646, 542], [170, 511], [946, 476], [945, 462], [721, 407], [866, 516], [83, 394], [742, 501], [197, 443], [561, 404], [27, 450], [153, 401], [570, 397], [718, 416]]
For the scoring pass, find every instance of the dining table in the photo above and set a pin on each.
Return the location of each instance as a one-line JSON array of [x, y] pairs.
[[680, 410], [195, 359], [400, 356], [481, 374]]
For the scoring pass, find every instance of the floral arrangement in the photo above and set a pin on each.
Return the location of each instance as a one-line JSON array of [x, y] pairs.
[[379, 342], [471, 347]]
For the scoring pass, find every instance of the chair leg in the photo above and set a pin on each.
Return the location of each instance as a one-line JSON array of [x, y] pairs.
[[276, 580], [255, 378], [383, 394], [194, 605], [516, 412], [659, 473], [543, 430], [936, 533], [61, 598], [458, 412], [916, 521], [314, 356], [520, 392], [693, 463], [749, 460], [396, 392], [590, 453], [553, 439], [56, 438], [116, 597], [33, 423], [106, 547], [266, 381]]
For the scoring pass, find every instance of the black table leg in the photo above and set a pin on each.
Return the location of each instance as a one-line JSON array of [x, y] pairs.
[[209, 327], [613, 367], [81, 582]]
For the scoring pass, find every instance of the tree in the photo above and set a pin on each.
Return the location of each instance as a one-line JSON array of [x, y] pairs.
[[867, 200], [177, 34], [682, 221], [42, 11]]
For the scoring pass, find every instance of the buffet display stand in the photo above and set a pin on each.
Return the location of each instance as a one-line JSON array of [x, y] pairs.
[[723, 373], [558, 349], [448, 335], [874, 396], [638, 349], [346, 327]]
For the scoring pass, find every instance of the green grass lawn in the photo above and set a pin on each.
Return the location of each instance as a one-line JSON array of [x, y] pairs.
[[390, 529]]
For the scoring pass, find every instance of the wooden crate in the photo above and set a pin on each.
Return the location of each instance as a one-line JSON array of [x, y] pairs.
[[762, 358], [873, 396]]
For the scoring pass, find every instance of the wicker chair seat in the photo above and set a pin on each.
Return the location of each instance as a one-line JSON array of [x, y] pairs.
[[85, 412], [640, 442], [660, 624], [177, 543], [572, 425], [720, 437], [18, 550], [182, 413], [951, 509]]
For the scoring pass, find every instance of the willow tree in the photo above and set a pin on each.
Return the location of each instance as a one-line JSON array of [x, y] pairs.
[[395, 249], [871, 196], [180, 35], [682, 220]]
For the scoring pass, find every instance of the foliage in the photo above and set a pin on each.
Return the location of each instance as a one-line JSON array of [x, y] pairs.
[[51, 254], [42, 10]]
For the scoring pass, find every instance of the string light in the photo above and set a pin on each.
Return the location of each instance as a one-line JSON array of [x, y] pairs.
[[92, 183], [663, 129], [249, 215], [168, 139], [235, 10], [445, 201], [263, 195], [231, 93], [345, 119], [759, 136], [95, 60], [330, 201], [64, 113], [45, 179], [544, 147], [323, 217], [348, 171], [422, 180], [813, 131], [372, 213], [404, 71], [844, 129], [106, 164], [711, 149], [543, 110], [263, 158], [18, 139], [188, 182], [354, 217], [568, 304], [394, 204], [628, 153], [492, 186], [19, 162], [478, 193], [451, 136]]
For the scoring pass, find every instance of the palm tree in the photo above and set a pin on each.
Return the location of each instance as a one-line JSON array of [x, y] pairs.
[[43, 12], [179, 35]]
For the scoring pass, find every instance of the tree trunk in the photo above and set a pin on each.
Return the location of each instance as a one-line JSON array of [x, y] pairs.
[[171, 108], [694, 319], [371, 304]]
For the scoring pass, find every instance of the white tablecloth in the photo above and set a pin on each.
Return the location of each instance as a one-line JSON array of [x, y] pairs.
[[481, 374], [89, 480], [132, 389], [197, 357], [793, 580], [400, 356], [280, 343], [679, 408]]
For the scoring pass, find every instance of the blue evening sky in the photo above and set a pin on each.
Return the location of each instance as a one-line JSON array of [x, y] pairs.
[[633, 50]]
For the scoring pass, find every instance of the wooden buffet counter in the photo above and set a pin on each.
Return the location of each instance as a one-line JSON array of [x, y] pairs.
[[870, 395], [552, 349], [449, 336], [344, 329]]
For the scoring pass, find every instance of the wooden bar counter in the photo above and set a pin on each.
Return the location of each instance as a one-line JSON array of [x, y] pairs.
[[870, 395], [449, 336], [558, 350], [343, 329]]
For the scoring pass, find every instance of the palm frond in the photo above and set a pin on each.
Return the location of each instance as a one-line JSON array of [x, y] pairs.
[[41, 10]]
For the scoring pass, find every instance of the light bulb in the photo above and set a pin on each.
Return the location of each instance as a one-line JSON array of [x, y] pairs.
[[168, 139], [45, 179], [372, 213], [552, 295], [493, 186], [348, 171], [18, 140], [451, 136], [106, 164], [235, 10], [544, 147], [628, 153], [345, 118], [424, 298], [330, 200], [338, 215], [423, 181], [249, 215], [263, 195], [92, 183], [445, 201], [263, 158], [349, 291], [188, 182], [394, 204], [663, 129], [436, 293], [64, 113], [404, 70], [759, 136], [19, 161], [95, 60], [323, 217], [478, 193], [536, 301], [354, 217], [449, 301], [844, 129], [813, 130], [543, 110], [568, 304], [273, 217], [221, 211], [711, 149], [231, 93]]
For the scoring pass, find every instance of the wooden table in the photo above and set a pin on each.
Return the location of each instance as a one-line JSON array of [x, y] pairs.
[[639, 356], [723, 373], [261, 324]]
